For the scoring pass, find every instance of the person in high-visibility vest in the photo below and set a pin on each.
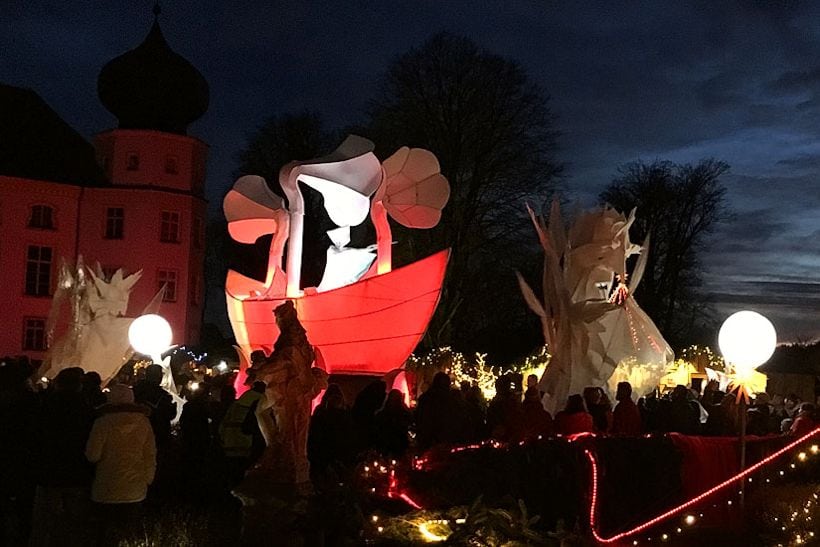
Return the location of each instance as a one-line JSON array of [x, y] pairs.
[[239, 433]]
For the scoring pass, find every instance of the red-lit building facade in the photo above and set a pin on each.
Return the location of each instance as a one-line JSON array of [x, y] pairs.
[[132, 200]]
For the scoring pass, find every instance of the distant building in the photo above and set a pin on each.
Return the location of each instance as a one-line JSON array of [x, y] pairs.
[[133, 200]]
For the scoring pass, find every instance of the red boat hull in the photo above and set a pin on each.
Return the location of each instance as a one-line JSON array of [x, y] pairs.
[[369, 327]]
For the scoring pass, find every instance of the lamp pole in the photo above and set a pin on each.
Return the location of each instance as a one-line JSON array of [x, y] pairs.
[[742, 409], [747, 340]]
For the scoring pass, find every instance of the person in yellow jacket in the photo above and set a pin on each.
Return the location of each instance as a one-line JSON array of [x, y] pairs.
[[123, 449]]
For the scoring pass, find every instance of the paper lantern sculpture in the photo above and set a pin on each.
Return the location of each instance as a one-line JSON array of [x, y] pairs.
[[364, 317], [94, 336], [596, 332]]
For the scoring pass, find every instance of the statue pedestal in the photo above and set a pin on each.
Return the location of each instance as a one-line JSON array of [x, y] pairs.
[[272, 511]]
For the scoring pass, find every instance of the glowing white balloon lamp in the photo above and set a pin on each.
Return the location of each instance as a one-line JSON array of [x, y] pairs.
[[150, 334], [747, 340]]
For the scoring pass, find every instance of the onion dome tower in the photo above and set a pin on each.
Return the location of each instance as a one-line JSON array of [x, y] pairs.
[[155, 94], [152, 214], [152, 87]]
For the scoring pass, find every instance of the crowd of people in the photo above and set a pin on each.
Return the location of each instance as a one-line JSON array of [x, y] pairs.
[[460, 414], [78, 461]]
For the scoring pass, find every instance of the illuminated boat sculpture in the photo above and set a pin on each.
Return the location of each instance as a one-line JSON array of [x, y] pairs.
[[364, 317]]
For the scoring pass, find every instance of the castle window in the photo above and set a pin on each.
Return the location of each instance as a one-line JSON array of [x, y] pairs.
[[114, 222], [169, 227], [34, 334], [132, 162], [38, 271], [168, 279], [171, 167], [42, 216]]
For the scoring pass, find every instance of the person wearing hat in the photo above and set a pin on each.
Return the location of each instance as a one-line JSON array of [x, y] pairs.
[[121, 446]]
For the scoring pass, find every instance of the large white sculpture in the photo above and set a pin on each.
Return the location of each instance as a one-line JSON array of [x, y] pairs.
[[596, 332], [95, 336], [364, 317]]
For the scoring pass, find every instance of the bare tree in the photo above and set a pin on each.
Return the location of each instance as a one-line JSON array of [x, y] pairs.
[[282, 139], [680, 205], [492, 130]]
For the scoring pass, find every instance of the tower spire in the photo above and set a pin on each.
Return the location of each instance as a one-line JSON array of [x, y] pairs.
[[153, 87]]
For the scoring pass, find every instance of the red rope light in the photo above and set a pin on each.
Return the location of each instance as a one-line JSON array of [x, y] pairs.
[[394, 491], [577, 436], [593, 506], [407, 499]]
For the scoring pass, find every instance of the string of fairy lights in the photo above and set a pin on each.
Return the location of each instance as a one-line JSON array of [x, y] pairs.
[[476, 370]]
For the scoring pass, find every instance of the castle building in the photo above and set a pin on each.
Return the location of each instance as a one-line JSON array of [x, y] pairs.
[[132, 200]]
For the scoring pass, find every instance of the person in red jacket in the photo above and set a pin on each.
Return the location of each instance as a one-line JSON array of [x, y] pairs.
[[804, 421], [626, 418], [537, 421], [574, 418]]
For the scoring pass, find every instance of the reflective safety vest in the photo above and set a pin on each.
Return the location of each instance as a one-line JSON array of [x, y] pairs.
[[236, 443]]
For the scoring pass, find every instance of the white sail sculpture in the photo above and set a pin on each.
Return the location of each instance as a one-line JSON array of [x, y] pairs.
[[96, 334], [596, 332]]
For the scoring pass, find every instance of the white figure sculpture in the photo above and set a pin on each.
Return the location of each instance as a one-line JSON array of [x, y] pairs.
[[593, 338], [96, 337]]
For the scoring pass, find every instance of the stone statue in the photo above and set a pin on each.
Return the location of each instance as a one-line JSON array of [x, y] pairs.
[[275, 492], [292, 383]]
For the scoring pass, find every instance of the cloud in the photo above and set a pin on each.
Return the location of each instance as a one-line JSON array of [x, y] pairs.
[[801, 162], [793, 81], [721, 91]]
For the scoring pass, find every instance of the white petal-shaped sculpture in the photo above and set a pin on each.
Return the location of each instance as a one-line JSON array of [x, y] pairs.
[[414, 190], [352, 165], [252, 209]]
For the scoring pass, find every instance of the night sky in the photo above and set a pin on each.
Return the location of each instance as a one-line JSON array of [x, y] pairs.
[[653, 80]]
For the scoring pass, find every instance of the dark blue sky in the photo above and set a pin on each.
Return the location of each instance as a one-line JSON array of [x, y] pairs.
[[651, 80]]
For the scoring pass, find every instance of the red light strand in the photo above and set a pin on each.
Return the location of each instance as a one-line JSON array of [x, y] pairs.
[[407, 499], [593, 506], [394, 491]]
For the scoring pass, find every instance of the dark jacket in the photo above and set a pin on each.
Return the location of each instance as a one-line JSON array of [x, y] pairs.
[[331, 438], [392, 424], [163, 409], [62, 429]]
